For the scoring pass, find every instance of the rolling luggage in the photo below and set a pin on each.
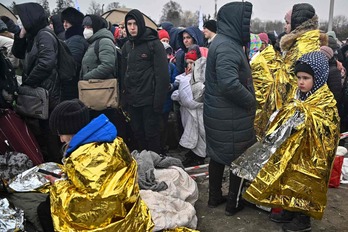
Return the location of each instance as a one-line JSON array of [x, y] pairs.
[[15, 136]]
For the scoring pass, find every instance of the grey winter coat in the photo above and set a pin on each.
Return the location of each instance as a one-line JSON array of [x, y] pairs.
[[229, 102], [105, 69]]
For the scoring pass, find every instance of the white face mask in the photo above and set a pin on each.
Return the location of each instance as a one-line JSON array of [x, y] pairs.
[[87, 33]]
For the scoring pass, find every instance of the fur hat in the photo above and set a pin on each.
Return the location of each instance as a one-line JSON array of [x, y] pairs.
[[163, 34], [73, 16], [210, 25], [327, 51], [69, 117]]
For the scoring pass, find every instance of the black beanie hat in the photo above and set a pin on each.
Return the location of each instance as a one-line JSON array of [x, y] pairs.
[[69, 117], [301, 12], [73, 16], [210, 25], [303, 67]]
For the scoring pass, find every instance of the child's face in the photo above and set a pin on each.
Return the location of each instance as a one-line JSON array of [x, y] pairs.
[[305, 81], [189, 66]]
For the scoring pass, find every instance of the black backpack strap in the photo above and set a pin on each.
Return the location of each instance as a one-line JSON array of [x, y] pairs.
[[96, 49]]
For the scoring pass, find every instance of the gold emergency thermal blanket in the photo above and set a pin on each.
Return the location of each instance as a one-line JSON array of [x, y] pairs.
[[295, 165], [101, 193], [268, 86], [273, 76]]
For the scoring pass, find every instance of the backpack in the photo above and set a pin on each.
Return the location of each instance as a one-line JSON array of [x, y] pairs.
[[8, 80], [67, 66], [118, 60]]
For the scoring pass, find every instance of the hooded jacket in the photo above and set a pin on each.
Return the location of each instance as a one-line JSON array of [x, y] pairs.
[[229, 100], [105, 68], [198, 39], [58, 26], [146, 78], [95, 161], [39, 49]]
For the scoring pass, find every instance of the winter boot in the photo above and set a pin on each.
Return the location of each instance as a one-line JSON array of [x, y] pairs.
[[283, 217], [216, 172], [301, 223], [234, 201]]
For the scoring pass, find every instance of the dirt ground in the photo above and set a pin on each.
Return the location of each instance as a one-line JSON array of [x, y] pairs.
[[254, 219]]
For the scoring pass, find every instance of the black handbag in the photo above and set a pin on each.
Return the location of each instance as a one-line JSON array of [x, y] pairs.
[[32, 102]]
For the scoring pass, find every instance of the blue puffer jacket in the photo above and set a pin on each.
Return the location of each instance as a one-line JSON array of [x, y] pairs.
[[99, 130]]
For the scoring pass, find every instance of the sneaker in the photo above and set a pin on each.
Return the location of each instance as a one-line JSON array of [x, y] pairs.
[[301, 223], [283, 217]]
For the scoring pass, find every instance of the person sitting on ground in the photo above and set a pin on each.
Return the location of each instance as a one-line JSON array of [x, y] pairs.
[[99, 189]]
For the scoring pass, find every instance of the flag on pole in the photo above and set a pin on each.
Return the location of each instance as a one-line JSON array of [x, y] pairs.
[[77, 6], [200, 19]]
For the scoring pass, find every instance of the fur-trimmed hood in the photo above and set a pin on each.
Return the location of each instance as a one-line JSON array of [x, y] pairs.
[[288, 40]]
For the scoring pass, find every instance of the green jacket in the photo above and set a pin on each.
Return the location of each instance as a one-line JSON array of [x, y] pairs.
[[105, 68]]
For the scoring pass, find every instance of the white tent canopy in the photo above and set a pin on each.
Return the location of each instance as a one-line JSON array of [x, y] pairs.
[[117, 15], [4, 11]]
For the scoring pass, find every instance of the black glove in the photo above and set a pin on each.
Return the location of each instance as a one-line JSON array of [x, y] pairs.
[[11, 26]]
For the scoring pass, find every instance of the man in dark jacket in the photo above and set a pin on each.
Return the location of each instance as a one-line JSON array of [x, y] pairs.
[[229, 102], [39, 49], [146, 80]]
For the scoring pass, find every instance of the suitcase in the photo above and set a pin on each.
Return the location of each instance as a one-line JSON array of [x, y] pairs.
[[15, 136]]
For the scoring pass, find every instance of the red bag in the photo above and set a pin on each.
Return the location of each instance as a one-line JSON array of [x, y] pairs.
[[15, 136], [336, 171]]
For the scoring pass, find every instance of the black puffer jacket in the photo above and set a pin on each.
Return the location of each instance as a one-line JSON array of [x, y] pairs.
[[229, 103], [146, 80], [39, 51]]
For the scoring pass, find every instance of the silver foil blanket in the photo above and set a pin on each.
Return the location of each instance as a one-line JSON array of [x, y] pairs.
[[11, 219], [32, 180], [249, 164]]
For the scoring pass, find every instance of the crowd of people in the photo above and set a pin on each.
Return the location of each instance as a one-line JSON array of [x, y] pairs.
[[229, 89]]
